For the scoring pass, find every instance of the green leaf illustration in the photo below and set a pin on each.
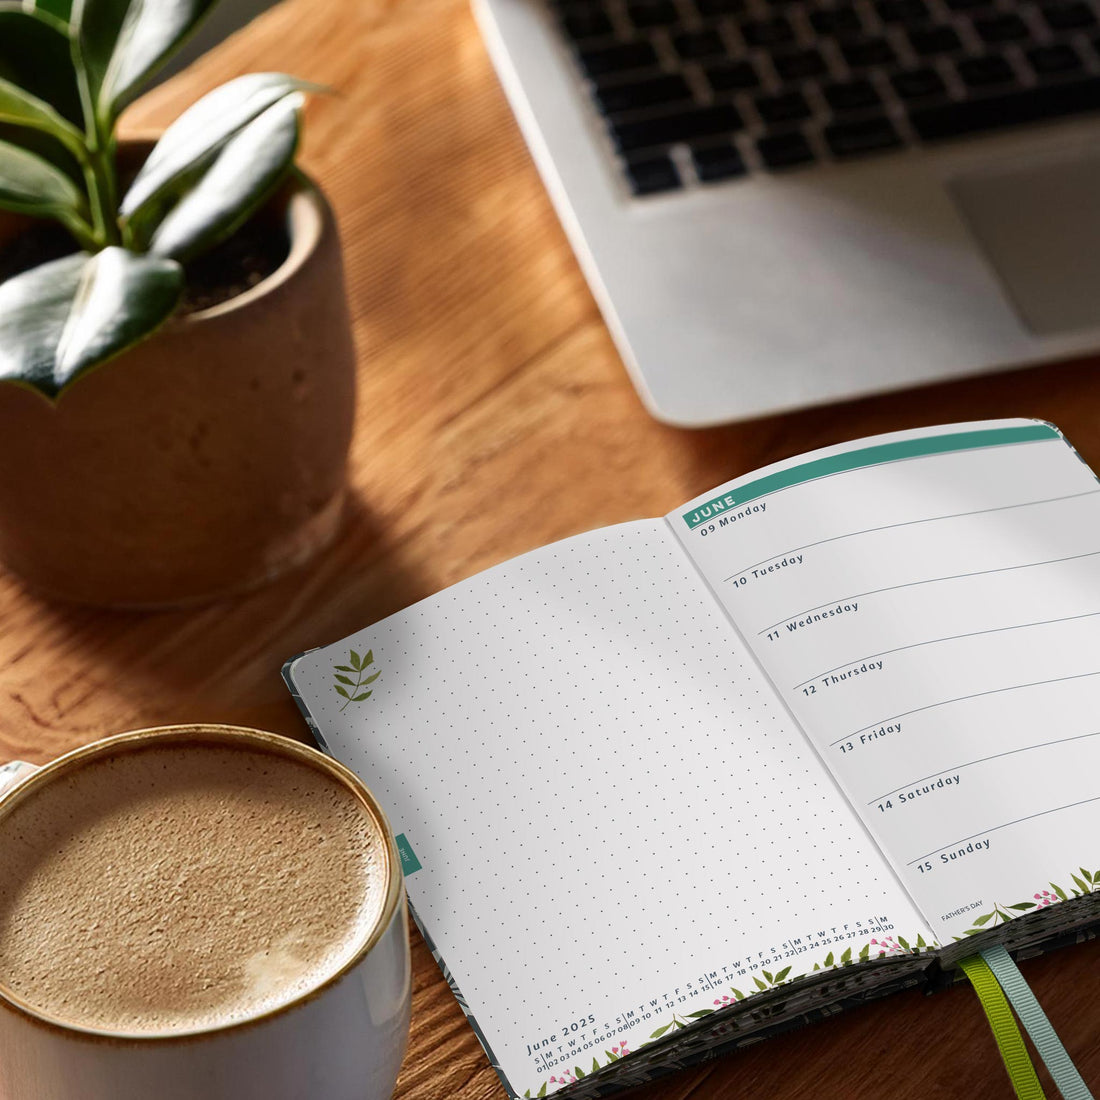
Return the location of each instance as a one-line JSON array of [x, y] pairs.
[[786, 970], [1059, 891], [356, 660], [345, 668], [985, 918], [660, 1031], [578, 1072], [611, 1057], [595, 1066], [343, 692], [345, 679], [1085, 874], [1022, 905], [903, 942], [358, 666], [700, 1014], [865, 952], [829, 959], [360, 698], [768, 978], [373, 676], [920, 942], [542, 1091], [1080, 884], [369, 659], [759, 984]]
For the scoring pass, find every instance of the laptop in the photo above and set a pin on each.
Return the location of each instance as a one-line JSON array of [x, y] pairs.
[[779, 203]]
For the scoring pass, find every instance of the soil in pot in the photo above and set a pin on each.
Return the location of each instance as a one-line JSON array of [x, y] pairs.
[[258, 249]]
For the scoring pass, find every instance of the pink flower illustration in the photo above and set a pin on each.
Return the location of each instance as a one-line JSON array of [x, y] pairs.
[[726, 1000], [1044, 899], [888, 946]]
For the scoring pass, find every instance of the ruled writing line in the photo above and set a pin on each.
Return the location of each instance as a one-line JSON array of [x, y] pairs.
[[961, 698], [997, 828], [947, 638], [928, 580], [982, 760], [910, 523]]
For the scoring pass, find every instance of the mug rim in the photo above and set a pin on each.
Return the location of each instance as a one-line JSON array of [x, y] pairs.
[[226, 734]]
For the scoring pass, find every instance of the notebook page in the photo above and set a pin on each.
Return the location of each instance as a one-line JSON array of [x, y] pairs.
[[607, 817], [928, 605]]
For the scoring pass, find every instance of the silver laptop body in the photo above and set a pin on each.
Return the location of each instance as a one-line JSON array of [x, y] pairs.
[[776, 289]]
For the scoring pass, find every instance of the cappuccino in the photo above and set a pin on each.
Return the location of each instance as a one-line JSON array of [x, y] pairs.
[[182, 885]]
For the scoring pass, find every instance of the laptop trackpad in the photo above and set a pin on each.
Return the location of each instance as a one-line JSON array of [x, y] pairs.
[[1040, 228]]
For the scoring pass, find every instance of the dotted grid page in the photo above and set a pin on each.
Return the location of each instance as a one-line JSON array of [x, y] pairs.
[[608, 820]]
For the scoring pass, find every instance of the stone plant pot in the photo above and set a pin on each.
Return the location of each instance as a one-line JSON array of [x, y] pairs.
[[202, 462]]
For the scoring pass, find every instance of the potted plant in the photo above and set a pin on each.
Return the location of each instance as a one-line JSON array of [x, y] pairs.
[[176, 363]]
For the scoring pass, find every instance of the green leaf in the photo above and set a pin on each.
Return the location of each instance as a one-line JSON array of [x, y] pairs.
[[829, 959], [595, 1066], [542, 1091], [903, 942], [865, 952], [1059, 891], [35, 58], [345, 668], [985, 918], [244, 174], [345, 680], [660, 1031], [360, 698], [737, 993], [700, 1014], [59, 9], [786, 970], [920, 941], [370, 679], [62, 318], [1086, 875], [759, 984], [31, 185], [578, 1072], [1022, 905], [1080, 884], [768, 978], [972, 932], [119, 44], [191, 142], [846, 957], [356, 660], [342, 691]]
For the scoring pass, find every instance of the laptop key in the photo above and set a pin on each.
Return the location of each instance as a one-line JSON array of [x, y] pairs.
[[652, 13], [620, 58], [902, 11], [871, 51], [799, 65], [721, 118], [767, 32], [732, 76], [841, 20], [720, 7], [652, 175], [618, 97], [848, 139], [718, 162], [1009, 109], [784, 150], [1068, 17], [984, 72], [1053, 60], [918, 84], [852, 95], [693, 45], [786, 107], [581, 23], [1001, 28], [934, 40]]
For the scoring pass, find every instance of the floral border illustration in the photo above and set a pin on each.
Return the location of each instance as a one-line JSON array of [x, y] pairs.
[[1088, 882], [877, 948]]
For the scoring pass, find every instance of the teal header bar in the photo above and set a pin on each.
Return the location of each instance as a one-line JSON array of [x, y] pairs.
[[409, 862], [867, 456]]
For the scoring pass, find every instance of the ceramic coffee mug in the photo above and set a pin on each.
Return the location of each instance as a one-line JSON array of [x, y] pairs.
[[342, 1039]]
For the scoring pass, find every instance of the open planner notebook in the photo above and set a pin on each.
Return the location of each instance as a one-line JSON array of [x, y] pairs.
[[669, 786]]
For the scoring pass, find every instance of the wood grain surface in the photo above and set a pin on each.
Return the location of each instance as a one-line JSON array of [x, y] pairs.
[[494, 416]]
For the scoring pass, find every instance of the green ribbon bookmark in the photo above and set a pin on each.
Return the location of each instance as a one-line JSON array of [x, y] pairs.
[[1003, 1024], [1046, 1040]]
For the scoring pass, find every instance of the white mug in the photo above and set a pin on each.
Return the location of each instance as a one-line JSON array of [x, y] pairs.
[[343, 1040]]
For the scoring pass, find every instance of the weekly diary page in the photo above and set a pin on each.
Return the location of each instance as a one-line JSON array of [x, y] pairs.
[[607, 820], [927, 605]]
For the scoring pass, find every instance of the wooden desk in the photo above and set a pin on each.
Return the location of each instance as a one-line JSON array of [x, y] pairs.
[[484, 365]]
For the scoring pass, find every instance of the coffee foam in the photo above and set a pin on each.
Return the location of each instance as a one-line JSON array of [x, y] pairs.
[[174, 888]]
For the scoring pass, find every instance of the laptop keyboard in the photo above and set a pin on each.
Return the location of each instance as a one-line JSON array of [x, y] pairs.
[[700, 91]]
